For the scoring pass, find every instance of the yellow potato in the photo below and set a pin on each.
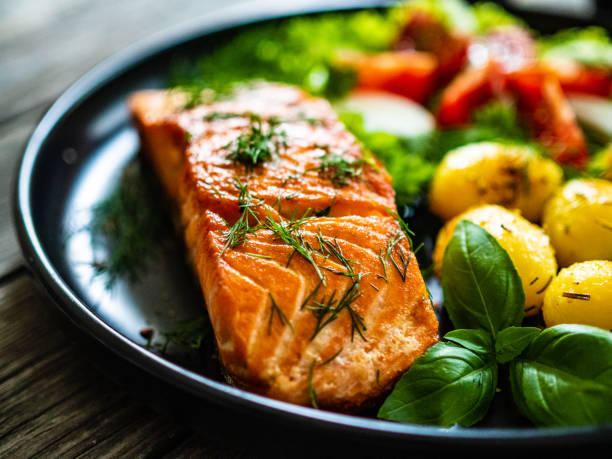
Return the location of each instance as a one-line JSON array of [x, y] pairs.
[[527, 245], [581, 294], [578, 220], [493, 173]]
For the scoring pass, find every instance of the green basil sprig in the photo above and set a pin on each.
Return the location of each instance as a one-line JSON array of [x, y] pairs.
[[564, 377], [449, 385], [560, 376], [481, 286]]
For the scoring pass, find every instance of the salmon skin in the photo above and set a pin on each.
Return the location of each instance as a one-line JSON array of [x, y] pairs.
[[312, 289]]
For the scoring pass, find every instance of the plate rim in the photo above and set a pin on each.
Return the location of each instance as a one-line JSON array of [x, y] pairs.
[[196, 384]]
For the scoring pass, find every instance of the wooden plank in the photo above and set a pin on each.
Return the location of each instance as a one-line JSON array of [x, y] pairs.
[[13, 136], [53, 401], [141, 439], [47, 45]]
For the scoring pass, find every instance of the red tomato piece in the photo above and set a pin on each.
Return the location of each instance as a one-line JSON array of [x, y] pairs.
[[423, 32], [544, 107], [575, 77], [469, 90], [409, 74]]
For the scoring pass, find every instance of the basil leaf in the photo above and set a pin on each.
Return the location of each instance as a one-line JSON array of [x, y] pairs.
[[564, 377], [512, 341], [448, 385], [478, 341], [480, 284]]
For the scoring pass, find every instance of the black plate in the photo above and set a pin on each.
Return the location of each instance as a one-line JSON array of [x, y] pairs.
[[75, 158]]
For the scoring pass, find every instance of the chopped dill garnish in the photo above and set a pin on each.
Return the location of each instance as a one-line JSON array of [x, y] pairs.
[[311, 390], [224, 116], [274, 309], [312, 394], [289, 259], [332, 358], [327, 249], [404, 232], [374, 286], [327, 310], [403, 226], [257, 255], [384, 265], [237, 234], [131, 225], [337, 169], [190, 333], [311, 295], [289, 197], [258, 145], [404, 259], [290, 177], [577, 296], [288, 232], [327, 210]]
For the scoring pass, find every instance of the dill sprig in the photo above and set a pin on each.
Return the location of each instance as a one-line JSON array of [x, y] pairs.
[[404, 259], [225, 116], [312, 394], [311, 295], [276, 310], [190, 333], [327, 249], [327, 310], [258, 145], [384, 265], [131, 225], [237, 234], [338, 169], [288, 232], [404, 232], [332, 358]]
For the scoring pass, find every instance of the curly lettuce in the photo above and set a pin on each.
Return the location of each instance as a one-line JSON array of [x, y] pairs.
[[297, 51], [590, 46]]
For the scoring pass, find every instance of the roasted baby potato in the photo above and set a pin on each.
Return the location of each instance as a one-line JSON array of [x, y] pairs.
[[581, 294], [493, 173], [578, 220], [527, 245]]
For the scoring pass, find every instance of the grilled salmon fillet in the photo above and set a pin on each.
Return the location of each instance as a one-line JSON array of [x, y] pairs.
[[311, 287]]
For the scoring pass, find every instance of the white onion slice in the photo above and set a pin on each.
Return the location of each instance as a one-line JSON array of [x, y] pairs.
[[593, 112], [386, 112]]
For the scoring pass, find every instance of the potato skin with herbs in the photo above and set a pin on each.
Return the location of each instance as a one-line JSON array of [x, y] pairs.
[[581, 294], [578, 220], [527, 245], [493, 173]]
